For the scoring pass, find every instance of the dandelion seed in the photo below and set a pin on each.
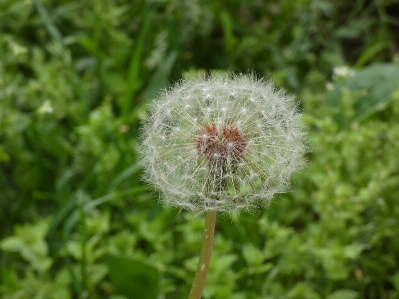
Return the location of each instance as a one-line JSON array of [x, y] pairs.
[[231, 151]]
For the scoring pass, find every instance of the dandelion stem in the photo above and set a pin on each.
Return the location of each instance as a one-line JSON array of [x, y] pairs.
[[205, 256]]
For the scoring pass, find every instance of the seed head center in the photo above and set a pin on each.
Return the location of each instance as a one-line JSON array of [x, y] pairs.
[[221, 142]]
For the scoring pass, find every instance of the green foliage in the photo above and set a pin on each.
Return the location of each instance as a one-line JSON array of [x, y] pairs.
[[370, 90], [129, 276], [75, 79]]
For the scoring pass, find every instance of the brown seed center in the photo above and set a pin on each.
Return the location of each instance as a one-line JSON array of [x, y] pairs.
[[221, 142]]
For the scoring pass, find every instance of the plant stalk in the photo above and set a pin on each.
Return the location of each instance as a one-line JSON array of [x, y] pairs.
[[205, 256]]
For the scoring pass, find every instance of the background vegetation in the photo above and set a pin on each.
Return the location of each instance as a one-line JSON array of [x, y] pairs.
[[75, 79]]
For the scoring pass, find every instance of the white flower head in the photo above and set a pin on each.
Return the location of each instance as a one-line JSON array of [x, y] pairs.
[[221, 142], [342, 72]]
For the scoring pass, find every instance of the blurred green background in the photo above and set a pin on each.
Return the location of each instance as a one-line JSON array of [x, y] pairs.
[[75, 81]]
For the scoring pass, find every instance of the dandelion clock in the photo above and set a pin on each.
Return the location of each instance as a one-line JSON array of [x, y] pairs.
[[220, 143]]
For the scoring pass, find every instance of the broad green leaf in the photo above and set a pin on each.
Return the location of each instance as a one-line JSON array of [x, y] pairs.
[[370, 89]]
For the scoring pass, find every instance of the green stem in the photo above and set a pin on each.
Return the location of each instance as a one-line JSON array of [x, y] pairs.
[[205, 256]]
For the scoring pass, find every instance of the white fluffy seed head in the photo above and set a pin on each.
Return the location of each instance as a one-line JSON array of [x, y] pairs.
[[221, 142]]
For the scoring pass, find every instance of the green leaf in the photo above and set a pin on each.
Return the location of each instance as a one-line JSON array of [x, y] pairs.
[[160, 78], [133, 278], [252, 255], [343, 294], [224, 262], [135, 65], [123, 175], [371, 89], [354, 250], [369, 53], [11, 244]]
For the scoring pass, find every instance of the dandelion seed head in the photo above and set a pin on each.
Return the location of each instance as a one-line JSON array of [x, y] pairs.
[[221, 142]]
